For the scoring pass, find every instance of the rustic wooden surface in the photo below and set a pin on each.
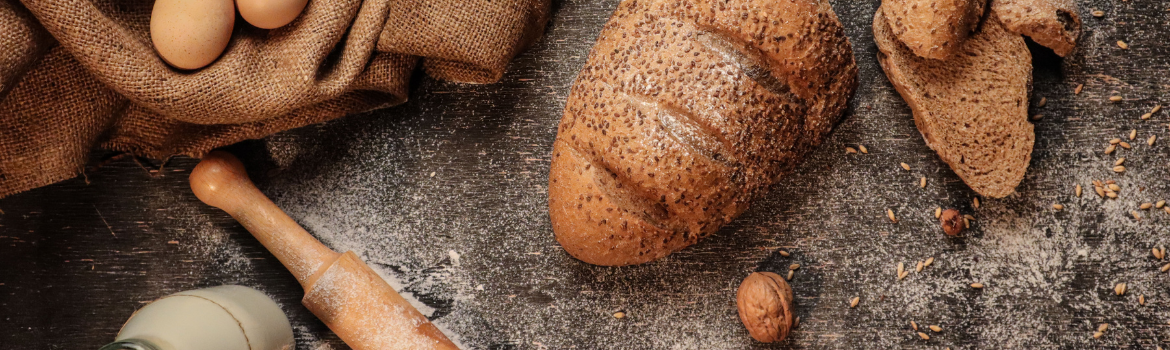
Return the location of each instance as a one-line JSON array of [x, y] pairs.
[[446, 194]]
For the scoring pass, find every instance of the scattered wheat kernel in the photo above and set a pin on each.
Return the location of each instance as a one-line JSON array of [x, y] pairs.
[[913, 325], [1136, 216], [793, 266], [918, 268], [1043, 101], [922, 183], [905, 166], [796, 322], [1156, 109], [853, 303], [1098, 13], [1114, 187], [791, 274], [1119, 169], [850, 150], [968, 217], [784, 253], [1115, 98], [1111, 194], [1077, 91], [890, 213], [977, 285], [619, 314], [903, 275], [1119, 161], [1124, 144], [937, 212], [1166, 268], [936, 329], [1142, 300], [1103, 327], [966, 223], [1145, 206], [1132, 134], [1110, 149], [1100, 191], [1114, 141], [863, 149], [1119, 289], [1057, 206], [1037, 117], [1097, 335], [929, 261], [1158, 253], [1160, 204], [901, 268], [924, 336], [1122, 45], [975, 202], [1147, 116], [1150, 141], [1078, 190]]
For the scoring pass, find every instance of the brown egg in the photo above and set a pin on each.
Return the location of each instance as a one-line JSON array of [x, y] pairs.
[[190, 34], [270, 14]]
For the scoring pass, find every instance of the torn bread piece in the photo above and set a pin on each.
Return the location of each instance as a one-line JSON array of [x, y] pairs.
[[1052, 23], [933, 28], [973, 108]]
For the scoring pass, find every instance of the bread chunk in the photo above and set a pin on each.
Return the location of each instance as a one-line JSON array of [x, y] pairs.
[[684, 112], [933, 28], [972, 108], [1052, 23]]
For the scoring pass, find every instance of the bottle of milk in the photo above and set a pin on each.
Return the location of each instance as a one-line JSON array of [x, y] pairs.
[[222, 318]]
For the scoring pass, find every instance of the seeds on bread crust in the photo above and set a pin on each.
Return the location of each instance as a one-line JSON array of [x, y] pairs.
[[1052, 23], [650, 157], [933, 29]]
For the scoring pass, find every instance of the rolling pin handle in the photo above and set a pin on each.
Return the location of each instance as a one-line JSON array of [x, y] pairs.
[[221, 181]]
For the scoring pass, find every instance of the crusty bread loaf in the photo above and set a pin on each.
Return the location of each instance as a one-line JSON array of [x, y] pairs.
[[972, 108], [933, 28], [684, 112], [1052, 23]]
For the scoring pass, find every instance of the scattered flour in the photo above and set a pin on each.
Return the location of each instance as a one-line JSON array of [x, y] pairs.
[[472, 248]]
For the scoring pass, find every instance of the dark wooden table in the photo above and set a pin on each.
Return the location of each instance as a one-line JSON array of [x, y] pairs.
[[446, 195]]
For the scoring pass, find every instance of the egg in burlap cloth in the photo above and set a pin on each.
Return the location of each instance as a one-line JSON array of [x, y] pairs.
[[76, 75]]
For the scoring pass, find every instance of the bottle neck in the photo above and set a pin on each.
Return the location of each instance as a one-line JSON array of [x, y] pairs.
[[131, 344]]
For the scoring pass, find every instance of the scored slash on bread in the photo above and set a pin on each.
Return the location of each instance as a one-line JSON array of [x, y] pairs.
[[685, 112], [933, 28], [1052, 23], [972, 109]]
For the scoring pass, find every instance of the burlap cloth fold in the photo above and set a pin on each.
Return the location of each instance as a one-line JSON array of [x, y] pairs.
[[76, 75]]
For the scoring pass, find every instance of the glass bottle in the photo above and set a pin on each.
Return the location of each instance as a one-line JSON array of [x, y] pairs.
[[223, 318]]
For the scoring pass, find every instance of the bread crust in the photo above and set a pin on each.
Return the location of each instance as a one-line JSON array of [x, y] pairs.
[[1052, 23], [684, 112], [933, 28], [971, 109]]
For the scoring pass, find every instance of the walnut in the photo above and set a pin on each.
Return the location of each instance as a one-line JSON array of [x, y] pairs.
[[952, 222], [764, 300]]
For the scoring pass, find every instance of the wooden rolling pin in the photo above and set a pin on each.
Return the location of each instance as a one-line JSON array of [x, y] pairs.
[[340, 289]]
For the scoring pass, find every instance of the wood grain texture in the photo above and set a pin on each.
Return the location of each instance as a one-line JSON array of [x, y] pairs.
[[79, 257]]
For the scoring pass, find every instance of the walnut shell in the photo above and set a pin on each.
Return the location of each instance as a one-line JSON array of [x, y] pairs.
[[952, 222], [764, 300]]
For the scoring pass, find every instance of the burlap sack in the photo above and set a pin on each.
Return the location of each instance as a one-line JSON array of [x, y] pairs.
[[82, 74]]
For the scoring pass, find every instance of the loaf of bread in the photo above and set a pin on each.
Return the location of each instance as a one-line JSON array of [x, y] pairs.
[[684, 112], [933, 28], [1052, 23], [972, 108]]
